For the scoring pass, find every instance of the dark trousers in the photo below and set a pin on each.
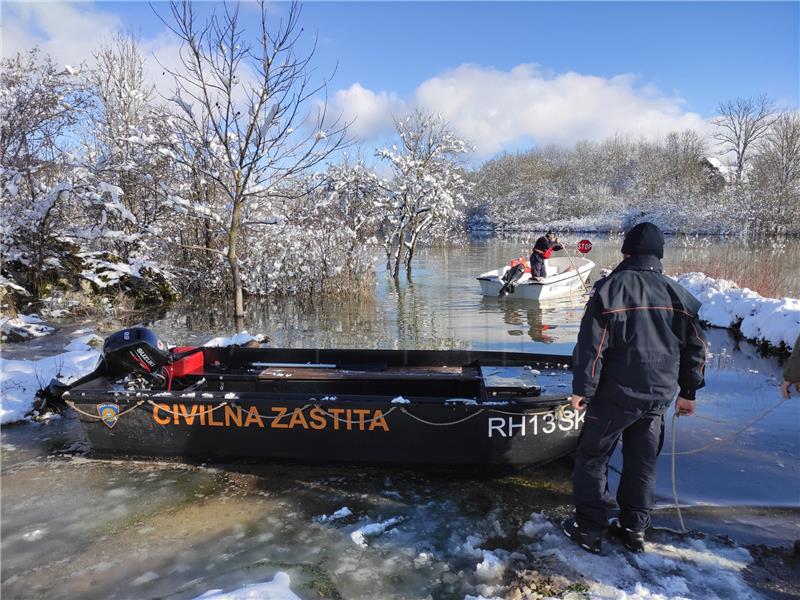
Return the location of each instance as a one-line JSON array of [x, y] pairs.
[[537, 265], [642, 433]]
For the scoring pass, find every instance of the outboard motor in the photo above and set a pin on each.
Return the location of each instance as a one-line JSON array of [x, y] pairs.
[[510, 278], [137, 354], [137, 350]]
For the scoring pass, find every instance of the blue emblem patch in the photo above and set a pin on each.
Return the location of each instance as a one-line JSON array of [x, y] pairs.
[[108, 412]]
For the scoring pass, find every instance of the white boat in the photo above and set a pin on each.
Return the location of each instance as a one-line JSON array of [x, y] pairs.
[[562, 278]]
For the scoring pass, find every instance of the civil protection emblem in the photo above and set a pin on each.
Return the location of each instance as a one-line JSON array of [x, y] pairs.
[[109, 413]]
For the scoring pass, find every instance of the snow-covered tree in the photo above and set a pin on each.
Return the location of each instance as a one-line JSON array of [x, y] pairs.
[[741, 123], [41, 106], [247, 120], [123, 152], [427, 186], [777, 171]]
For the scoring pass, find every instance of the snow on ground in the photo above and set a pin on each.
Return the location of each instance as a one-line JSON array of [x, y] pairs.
[[21, 379], [277, 589], [339, 514], [23, 327], [239, 339], [725, 304], [668, 570], [360, 535]]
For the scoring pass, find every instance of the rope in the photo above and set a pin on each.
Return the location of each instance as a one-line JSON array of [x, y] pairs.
[[674, 473], [341, 420], [161, 406], [731, 435], [179, 414], [728, 437], [559, 410], [273, 417], [434, 423], [71, 404]]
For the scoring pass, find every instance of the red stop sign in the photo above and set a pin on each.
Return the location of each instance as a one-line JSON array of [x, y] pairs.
[[584, 246]]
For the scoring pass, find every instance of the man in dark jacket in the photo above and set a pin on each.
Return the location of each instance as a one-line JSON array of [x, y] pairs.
[[640, 345], [542, 249]]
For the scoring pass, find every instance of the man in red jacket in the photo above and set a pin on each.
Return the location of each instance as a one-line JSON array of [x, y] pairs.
[[542, 249]]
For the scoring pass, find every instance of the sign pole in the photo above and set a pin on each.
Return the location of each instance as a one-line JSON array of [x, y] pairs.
[[572, 262]]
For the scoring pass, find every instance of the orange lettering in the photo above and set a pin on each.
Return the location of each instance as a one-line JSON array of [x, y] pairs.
[[336, 412], [317, 418], [298, 418], [187, 417], [160, 421], [211, 420], [379, 421], [252, 415], [234, 416], [281, 412], [361, 412]]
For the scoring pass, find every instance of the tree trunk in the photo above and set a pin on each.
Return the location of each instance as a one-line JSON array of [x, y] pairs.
[[233, 263]]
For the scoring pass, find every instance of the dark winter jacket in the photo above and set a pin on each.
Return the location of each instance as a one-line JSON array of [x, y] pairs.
[[640, 341], [791, 371], [546, 247]]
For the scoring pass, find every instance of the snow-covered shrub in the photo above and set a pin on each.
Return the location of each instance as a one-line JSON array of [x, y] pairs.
[[426, 189]]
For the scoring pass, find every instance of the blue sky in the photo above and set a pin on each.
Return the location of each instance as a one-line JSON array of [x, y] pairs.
[[506, 74]]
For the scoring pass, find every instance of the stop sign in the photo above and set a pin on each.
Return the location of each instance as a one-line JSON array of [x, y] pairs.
[[584, 246]]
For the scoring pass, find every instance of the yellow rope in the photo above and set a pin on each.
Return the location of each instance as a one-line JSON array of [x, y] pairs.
[[71, 404], [179, 414]]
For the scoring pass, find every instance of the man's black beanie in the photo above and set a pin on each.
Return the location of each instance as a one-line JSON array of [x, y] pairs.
[[645, 238]]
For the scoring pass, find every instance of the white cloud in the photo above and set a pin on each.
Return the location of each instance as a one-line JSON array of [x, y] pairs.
[[68, 32], [493, 108], [72, 32], [370, 113]]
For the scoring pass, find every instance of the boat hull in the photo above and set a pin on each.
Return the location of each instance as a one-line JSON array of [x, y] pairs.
[[363, 432], [559, 285], [365, 406]]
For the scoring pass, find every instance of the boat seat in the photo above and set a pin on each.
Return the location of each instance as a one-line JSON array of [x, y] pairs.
[[510, 380], [389, 373]]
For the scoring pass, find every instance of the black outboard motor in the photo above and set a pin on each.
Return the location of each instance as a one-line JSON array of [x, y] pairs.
[[510, 278], [137, 350]]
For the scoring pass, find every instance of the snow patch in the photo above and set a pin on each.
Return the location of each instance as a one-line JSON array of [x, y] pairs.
[[84, 343], [692, 568], [277, 589], [724, 304], [492, 567], [239, 339], [339, 514], [21, 379], [360, 535], [23, 327]]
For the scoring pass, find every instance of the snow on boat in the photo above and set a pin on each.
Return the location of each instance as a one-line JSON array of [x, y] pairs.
[[469, 408], [562, 279]]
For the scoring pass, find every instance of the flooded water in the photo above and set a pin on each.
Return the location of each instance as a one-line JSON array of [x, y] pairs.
[[73, 526]]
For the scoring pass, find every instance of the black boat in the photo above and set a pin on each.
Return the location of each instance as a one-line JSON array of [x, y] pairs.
[[453, 408]]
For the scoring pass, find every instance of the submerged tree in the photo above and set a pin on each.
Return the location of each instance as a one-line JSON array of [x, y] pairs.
[[427, 187], [248, 119]]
